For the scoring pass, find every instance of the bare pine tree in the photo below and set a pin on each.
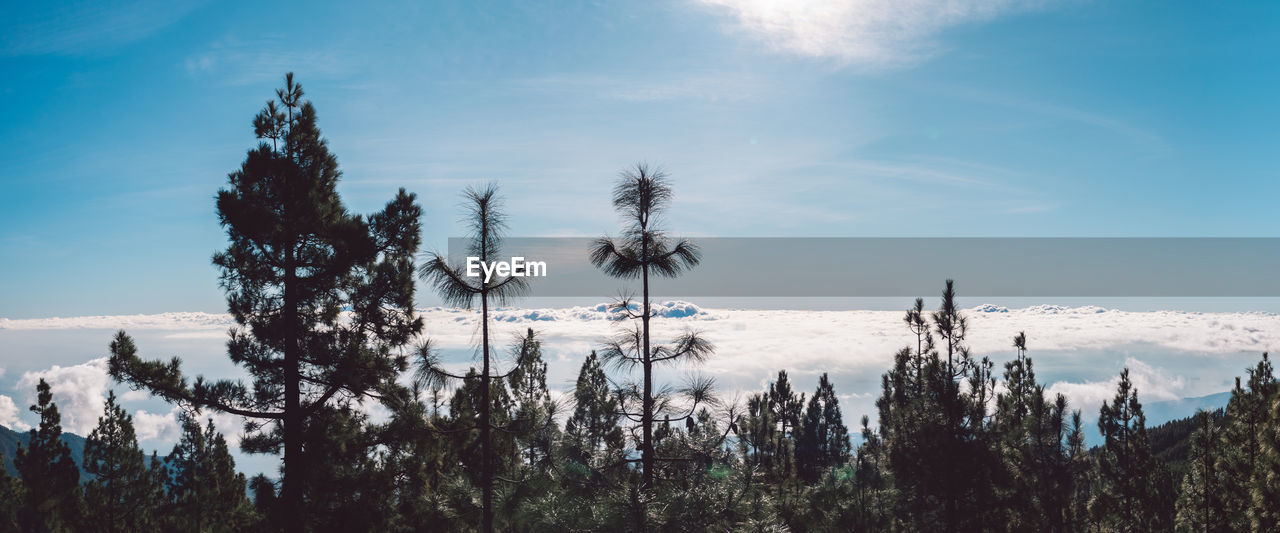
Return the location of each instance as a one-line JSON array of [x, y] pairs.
[[487, 227], [642, 251]]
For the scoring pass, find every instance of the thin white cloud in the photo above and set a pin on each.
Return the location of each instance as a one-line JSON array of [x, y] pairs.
[[874, 33], [712, 87], [266, 59], [86, 27], [174, 321]]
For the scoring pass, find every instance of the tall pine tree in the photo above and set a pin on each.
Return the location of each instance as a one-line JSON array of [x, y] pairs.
[[207, 493], [1200, 506], [824, 439], [487, 227], [119, 497], [1246, 415], [323, 298], [1129, 494], [644, 250], [50, 479]]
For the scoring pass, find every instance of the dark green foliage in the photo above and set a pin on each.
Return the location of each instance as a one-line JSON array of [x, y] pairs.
[[487, 229], [1200, 506], [323, 301], [1248, 414], [1133, 491], [323, 298], [533, 412], [206, 493], [1171, 441], [10, 500], [1264, 494], [785, 407], [120, 497], [824, 439], [1036, 480], [354, 491], [592, 437], [51, 497]]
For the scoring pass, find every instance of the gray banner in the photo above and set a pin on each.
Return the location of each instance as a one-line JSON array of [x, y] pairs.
[[908, 267]]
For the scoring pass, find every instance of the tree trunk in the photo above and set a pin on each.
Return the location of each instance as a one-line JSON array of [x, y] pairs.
[[486, 446], [646, 452], [292, 485]]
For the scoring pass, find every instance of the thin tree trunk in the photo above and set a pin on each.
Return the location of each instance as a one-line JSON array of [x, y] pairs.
[[292, 485], [646, 453], [486, 446]]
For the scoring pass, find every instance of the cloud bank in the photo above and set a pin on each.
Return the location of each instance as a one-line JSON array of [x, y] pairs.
[[875, 33], [1078, 351]]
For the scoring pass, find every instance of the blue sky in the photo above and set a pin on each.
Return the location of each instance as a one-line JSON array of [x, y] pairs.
[[989, 118]]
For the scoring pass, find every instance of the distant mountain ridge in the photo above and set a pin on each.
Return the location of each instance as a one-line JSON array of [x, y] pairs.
[[1167, 410], [10, 440]]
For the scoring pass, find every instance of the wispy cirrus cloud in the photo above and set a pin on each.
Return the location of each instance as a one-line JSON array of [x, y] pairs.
[[32, 28], [710, 87], [235, 61], [869, 33]]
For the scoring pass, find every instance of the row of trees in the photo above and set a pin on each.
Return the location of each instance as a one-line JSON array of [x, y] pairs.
[[194, 488], [326, 328], [953, 454]]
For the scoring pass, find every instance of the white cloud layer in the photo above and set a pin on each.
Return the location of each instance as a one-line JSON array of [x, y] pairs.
[[866, 32], [194, 321], [1077, 350]]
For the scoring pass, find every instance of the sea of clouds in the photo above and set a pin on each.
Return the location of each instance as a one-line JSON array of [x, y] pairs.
[[1078, 351]]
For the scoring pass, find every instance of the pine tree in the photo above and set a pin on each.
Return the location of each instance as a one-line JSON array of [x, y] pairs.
[[534, 412], [353, 489], [119, 495], [1131, 492], [872, 492], [482, 457], [640, 197], [10, 499], [159, 506], [207, 493], [50, 479], [487, 229], [323, 298], [1200, 503], [824, 439], [1264, 496], [785, 406], [756, 432], [1246, 415], [593, 435], [1079, 470], [1035, 478]]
